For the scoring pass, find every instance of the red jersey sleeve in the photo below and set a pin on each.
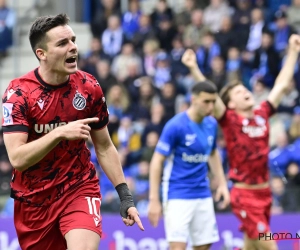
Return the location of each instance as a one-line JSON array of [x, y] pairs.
[[99, 108], [15, 109], [227, 117], [267, 108]]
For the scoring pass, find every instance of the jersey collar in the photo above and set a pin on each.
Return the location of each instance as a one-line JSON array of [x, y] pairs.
[[47, 85]]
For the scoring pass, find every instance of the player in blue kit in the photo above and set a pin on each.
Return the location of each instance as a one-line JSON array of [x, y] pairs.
[[187, 146]]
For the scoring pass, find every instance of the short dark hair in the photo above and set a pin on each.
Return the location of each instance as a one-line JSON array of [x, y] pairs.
[[204, 86], [225, 91], [38, 30]]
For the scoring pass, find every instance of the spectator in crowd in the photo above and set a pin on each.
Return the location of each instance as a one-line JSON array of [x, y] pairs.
[[5, 177], [121, 62], [126, 138], [279, 157], [145, 31], [104, 75], [113, 37], [290, 100], [157, 121], [162, 70], [226, 37], [117, 103], [168, 99], [278, 191], [292, 188], [294, 130], [101, 16], [150, 50], [7, 23], [194, 32], [266, 60], [140, 174], [151, 142], [92, 56], [166, 33], [96, 49], [260, 91], [282, 31], [256, 30], [132, 82], [183, 18], [178, 69], [233, 64], [241, 20], [130, 20], [140, 108], [293, 15], [162, 10], [218, 74], [267, 13], [275, 5], [206, 52], [284, 196], [214, 14]]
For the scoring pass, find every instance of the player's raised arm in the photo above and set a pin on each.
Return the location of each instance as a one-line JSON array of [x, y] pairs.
[[286, 74], [155, 207], [189, 60]]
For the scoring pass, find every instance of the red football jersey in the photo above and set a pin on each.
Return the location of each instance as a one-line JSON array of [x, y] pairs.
[[247, 143], [32, 106]]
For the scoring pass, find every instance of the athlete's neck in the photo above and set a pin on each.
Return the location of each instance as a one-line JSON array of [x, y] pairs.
[[194, 116], [52, 78], [245, 113]]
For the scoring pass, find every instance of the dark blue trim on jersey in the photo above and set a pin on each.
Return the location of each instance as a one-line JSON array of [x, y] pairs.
[[273, 109], [47, 85], [15, 128], [100, 124]]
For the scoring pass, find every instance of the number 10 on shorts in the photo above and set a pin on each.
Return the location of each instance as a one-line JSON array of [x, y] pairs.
[[94, 208]]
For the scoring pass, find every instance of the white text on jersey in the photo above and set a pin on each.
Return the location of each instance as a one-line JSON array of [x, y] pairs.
[[196, 158], [46, 128]]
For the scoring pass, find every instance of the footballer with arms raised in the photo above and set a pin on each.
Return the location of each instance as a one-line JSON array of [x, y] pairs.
[[246, 131]]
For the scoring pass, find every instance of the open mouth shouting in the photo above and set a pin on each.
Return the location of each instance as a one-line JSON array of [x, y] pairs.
[[71, 61]]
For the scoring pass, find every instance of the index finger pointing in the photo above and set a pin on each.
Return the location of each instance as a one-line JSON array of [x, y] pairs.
[[138, 222], [90, 120]]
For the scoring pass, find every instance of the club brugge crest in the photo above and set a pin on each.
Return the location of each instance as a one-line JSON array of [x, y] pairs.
[[79, 101]]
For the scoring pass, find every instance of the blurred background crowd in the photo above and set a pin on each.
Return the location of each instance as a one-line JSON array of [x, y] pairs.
[[136, 57]]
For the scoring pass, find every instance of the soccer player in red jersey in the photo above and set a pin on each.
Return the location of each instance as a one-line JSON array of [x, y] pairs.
[[246, 131], [48, 114]]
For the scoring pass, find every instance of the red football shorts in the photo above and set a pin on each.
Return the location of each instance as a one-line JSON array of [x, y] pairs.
[[252, 207], [44, 227]]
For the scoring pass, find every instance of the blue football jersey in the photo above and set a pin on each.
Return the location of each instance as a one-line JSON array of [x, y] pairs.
[[187, 146]]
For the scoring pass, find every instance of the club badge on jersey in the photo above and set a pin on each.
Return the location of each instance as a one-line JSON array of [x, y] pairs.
[[79, 102]]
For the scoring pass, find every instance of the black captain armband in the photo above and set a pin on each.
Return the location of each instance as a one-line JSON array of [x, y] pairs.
[[126, 199]]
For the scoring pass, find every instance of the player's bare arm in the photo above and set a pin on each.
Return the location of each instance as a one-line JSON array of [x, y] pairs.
[[218, 173], [155, 207], [108, 158], [286, 74], [189, 60], [23, 155]]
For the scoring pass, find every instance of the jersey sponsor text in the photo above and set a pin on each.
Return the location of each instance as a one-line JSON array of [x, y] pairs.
[[46, 128], [196, 158]]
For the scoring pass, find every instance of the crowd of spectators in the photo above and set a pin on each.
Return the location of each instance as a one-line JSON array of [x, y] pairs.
[[136, 57], [7, 22]]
